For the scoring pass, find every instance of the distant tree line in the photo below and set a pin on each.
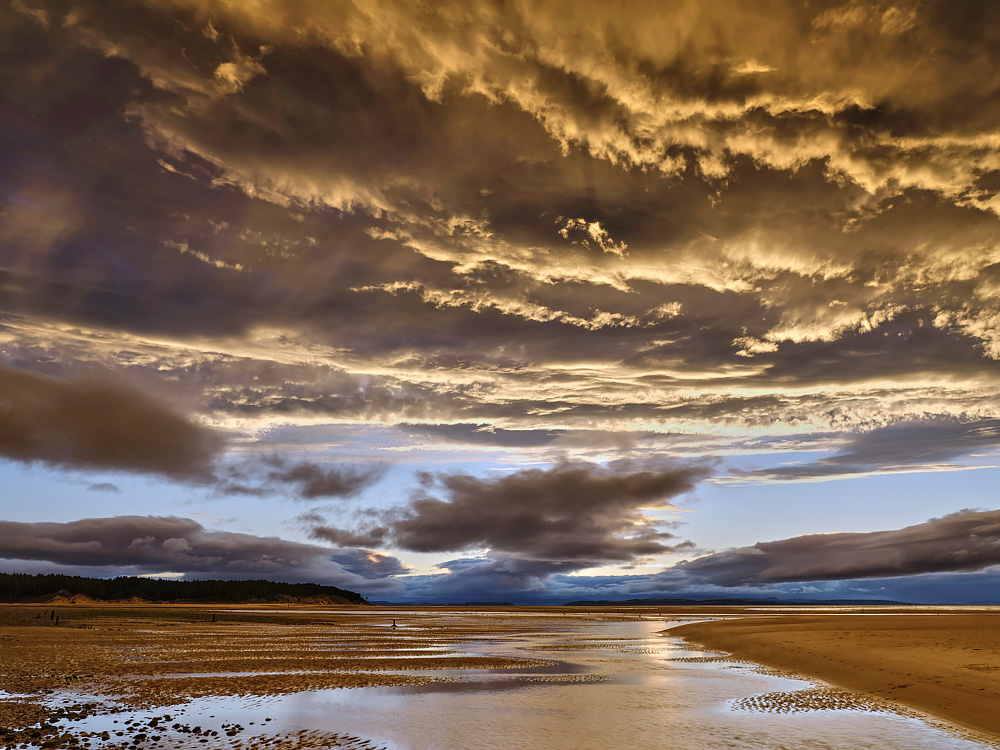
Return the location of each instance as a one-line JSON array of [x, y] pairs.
[[16, 587]]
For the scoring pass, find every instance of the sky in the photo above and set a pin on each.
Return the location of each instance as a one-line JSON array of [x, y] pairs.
[[504, 301]]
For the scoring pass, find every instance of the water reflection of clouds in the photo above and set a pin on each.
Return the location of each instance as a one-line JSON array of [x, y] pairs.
[[610, 683]]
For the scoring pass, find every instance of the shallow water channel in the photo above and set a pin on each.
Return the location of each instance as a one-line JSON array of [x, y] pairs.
[[615, 684]]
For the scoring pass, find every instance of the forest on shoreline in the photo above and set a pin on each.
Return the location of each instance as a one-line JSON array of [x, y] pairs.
[[22, 587]]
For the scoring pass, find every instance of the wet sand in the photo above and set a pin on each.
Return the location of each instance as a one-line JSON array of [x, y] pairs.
[[150, 657], [943, 664], [140, 677]]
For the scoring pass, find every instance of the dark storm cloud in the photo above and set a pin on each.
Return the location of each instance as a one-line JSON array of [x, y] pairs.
[[98, 424], [154, 544], [578, 514], [291, 166], [898, 447], [100, 227], [931, 588], [963, 541], [550, 228], [559, 588]]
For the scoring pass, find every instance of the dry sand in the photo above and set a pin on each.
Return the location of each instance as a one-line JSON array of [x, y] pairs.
[[943, 664]]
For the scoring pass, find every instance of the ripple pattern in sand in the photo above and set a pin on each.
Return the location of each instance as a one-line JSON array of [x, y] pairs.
[[811, 699]]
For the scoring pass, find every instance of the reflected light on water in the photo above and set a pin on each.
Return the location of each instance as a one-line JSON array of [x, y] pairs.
[[612, 683]]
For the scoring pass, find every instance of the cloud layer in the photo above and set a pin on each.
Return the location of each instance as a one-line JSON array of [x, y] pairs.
[[573, 515], [953, 558], [964, 541], [912, 445], [886, 564], [372, 208], [94, 424], [271, 248], [129, 545], [98, 425]]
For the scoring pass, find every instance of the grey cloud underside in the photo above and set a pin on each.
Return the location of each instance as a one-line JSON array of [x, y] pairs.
[[933, 442], [97, 425], [570, 516], [963, 541], [124, 545], [307, 479], [487, 579], [93, 423]]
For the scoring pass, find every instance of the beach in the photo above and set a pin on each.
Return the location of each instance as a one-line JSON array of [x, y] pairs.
[[946, 664], [149, 657], [289, 677]]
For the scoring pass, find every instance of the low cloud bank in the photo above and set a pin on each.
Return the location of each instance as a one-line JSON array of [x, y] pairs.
[[135, 545], [944, 559], [964, 541], [947, 559]]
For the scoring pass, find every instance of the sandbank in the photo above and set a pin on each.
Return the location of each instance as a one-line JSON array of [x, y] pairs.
[[944, 664]]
